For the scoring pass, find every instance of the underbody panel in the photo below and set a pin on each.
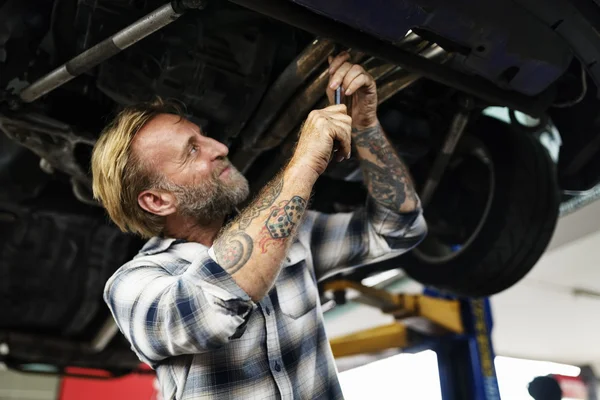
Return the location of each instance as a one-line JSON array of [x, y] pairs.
[[524, 55]]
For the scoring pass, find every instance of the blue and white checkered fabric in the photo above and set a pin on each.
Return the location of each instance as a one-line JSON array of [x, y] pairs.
[[187, 318]]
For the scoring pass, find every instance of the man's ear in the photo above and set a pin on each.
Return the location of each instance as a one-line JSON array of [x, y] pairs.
[[157, 202]]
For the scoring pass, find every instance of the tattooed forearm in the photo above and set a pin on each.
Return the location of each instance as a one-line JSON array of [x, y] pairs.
[[267, 223], [266, 200], [233, 250], [253, 246], [234, 247], [389, 192], [282, 222], [386, 176]]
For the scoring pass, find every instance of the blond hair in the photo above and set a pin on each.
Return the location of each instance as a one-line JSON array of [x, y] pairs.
[[119, 175]]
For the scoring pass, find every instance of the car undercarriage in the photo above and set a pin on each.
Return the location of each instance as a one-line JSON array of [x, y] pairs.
[[248, 72]]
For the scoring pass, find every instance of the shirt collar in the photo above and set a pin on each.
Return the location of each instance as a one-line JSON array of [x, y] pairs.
[[158, 244]]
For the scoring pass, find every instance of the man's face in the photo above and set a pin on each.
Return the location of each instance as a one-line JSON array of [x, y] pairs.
[[194, 167]]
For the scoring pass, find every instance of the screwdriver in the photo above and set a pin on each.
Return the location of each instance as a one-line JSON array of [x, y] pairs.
[[338, 92], [338, 100]]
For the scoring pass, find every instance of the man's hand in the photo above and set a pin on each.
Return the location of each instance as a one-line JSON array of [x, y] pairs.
[[386, 176], [321, 131], [359, 84], [252, 247]]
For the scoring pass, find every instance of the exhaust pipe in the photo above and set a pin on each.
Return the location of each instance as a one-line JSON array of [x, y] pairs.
[[109, 47], [300, 17]]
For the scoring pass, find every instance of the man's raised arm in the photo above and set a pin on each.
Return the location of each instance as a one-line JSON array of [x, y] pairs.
[[386, 176], [391, 222], [253, 246]]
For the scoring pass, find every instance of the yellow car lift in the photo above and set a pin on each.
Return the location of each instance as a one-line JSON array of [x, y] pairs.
[[457, 329]]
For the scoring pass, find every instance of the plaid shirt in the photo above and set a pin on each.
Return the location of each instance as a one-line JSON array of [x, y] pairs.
[[188, 319]]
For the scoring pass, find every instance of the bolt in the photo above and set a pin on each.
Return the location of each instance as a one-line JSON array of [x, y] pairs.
[[46, 166]]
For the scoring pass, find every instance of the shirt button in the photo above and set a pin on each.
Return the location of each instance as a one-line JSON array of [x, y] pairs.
[[267, 311], [277, 367]]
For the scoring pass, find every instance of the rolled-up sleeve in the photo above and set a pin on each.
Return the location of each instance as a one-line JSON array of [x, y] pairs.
[[365, 236], [164, 315]]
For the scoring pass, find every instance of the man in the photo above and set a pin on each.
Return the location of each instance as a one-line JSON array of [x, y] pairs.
[[232, 312]]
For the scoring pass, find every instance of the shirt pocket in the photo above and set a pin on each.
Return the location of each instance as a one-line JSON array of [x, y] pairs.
[[296, 290]]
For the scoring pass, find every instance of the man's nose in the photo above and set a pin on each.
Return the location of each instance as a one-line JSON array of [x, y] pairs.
[[216, 148]]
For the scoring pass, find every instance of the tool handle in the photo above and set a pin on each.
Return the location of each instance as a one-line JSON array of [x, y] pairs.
[[337, 100]]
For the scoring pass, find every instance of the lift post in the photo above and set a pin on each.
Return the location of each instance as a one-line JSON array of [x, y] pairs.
[[458, 330], [466, 362]]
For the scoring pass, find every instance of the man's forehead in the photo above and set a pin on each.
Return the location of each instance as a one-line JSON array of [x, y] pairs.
[[164, 125], [161, 137], [164, 129]]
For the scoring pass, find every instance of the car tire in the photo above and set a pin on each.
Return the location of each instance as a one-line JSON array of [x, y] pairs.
[[523, 211]]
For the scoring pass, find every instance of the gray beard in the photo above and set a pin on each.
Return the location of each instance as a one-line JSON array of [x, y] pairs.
[[211, 200]]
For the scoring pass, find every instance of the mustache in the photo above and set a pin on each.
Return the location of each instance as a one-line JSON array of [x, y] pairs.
[[224, 165]]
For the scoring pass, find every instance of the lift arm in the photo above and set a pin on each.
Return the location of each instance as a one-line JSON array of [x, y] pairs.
[[441, 312]]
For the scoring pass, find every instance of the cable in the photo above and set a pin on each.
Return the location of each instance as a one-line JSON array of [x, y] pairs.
[[581, 95]]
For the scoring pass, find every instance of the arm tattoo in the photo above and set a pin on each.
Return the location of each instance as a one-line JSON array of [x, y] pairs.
[[390, 192], [271, 193], [234, 250], [281, 222], [386, 178]]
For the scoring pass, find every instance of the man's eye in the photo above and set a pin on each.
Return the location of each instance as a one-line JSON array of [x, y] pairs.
[[193, 149]]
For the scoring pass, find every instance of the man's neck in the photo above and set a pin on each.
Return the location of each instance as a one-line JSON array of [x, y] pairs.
[[187, 228]]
